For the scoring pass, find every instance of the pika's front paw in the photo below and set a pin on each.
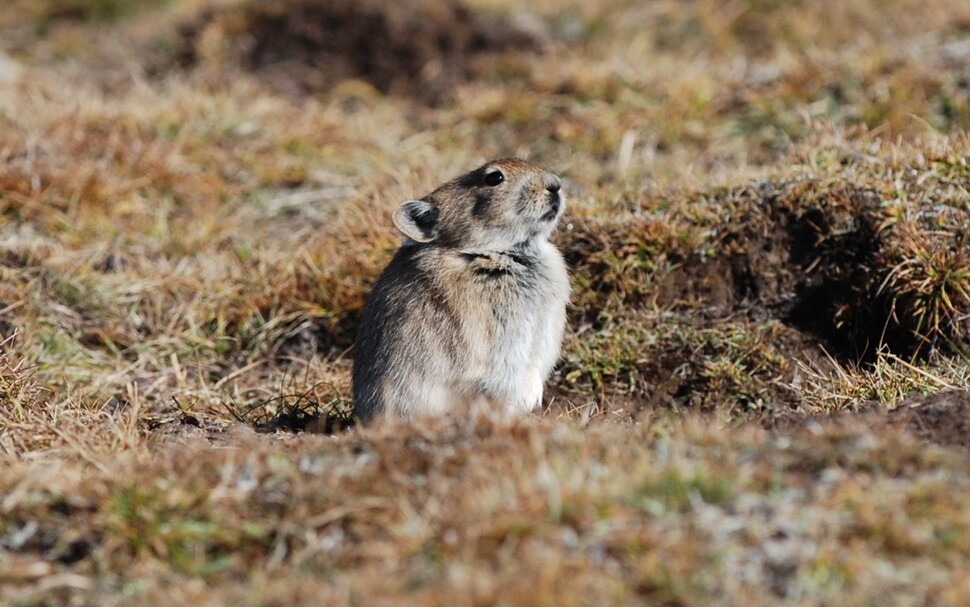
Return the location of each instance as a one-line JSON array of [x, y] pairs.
[[532, 393]]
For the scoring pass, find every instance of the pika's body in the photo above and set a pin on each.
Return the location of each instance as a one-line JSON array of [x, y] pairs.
[[471, 309]]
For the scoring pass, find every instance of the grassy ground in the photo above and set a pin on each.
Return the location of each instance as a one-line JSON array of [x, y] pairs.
[[763, 397]]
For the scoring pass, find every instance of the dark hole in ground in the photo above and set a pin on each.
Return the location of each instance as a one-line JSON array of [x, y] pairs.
[[835, 259], [306, 411]]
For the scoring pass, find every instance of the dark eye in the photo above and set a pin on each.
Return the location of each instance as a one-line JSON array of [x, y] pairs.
[[494, 178]]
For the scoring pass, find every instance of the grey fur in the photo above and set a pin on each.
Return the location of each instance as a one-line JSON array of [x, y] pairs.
[[472, 307]]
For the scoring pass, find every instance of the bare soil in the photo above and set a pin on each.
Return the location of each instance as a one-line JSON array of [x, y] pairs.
[[942, 418], [421, 49]]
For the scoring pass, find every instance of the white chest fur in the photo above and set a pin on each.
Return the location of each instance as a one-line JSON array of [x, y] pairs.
[[511, 323]]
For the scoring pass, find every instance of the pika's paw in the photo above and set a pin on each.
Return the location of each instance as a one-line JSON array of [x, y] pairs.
[[531, 398]]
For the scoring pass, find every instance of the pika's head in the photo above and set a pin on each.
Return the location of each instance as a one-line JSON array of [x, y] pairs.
[[496, 207]]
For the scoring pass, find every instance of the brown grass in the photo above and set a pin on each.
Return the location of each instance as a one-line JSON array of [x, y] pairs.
[[767, 235]]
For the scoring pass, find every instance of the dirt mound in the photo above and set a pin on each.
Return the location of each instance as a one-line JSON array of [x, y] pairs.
[[718, 299], [839, 261], [856, 268], [417, 49]]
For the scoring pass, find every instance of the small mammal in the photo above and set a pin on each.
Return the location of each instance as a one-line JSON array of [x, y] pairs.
[[472, 307]]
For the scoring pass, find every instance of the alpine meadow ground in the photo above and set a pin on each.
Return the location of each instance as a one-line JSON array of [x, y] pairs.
[[764, 394]]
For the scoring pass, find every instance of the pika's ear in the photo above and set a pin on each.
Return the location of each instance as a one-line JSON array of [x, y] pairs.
[[418, 220]]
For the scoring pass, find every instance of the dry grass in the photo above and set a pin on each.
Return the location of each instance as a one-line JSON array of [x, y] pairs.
[[534, 512], [768, 220]]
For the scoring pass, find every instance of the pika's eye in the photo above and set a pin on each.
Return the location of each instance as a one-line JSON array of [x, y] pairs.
[[494, 178]]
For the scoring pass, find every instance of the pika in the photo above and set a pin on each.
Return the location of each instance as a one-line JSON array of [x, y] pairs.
[[471, 309]]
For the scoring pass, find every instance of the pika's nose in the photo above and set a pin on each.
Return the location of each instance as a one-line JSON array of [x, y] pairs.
[[553, 183]]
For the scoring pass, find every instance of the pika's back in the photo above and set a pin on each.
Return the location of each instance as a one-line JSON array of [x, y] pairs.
[[472, 306]]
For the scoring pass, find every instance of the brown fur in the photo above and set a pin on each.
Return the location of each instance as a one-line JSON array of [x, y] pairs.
[[472, 307]]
